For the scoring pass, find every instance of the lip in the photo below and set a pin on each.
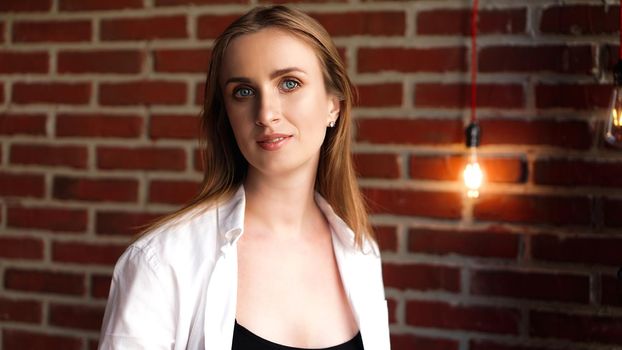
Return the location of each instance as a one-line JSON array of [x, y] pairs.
[[273, 142]]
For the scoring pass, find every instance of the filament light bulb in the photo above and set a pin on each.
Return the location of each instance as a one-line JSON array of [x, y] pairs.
[[613, 127], [472, 174], [613, 133]]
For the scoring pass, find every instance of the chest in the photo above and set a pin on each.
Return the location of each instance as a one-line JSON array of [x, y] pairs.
[[293, 292]]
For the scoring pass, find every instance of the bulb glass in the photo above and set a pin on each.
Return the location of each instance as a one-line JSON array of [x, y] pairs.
[[613, 131]]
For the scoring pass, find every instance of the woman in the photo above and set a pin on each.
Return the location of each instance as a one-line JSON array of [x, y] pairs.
[[275, 252]]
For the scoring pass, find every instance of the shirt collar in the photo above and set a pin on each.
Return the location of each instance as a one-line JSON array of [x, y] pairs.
[[231, 222]]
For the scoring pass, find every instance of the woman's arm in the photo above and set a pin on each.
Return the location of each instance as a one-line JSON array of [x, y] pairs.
[[141, 308]]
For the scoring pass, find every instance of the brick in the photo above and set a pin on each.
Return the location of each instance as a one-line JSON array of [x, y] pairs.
[[411, 60], [611, 212], [268, 2], [410, 131], [86, 253], [172, 192], [197, 2], [549, 58], [412, 341], [148, 28], [572, 96], [99, 125], [21, 185], [378, 165], [76, 316], [41, 281], [49, 155], [18, 62], [99, 5], [174, 126], [573, 134], [211, 26], [421, 277], [20, 310], [199, 94], [392, 310], [52, 31], [531, 285], [414, 203], [386, 236], [22, 124], [93, 344], [25, 6], [482, 244], [488, 345], [13, 339], [182, 60], [143, 92], [584, 250], [141, 158], [46, 218], [533, 209], [197, 159], [21, 248], [436, 314], [458, 95], [380, 95], [123, 223], [580, 20], [95, 189], [101, 61], [611, 291], [51, 92], [577, 172], [609, 57], [597, 329], [371, 23], [100, 286], [458, 21], [450, 168]]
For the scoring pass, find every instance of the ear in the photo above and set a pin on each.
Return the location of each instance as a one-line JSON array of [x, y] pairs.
[[334, 107]]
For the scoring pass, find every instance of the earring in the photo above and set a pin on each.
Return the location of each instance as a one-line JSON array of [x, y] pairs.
[[331, 124]]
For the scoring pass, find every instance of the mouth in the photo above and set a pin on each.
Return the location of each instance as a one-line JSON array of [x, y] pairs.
[[274, 138], [273, 142]]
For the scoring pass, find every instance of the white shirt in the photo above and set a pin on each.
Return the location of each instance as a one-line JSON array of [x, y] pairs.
[[176, 287]]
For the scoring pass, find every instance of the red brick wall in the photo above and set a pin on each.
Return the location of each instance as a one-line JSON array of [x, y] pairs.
[[98, 101]]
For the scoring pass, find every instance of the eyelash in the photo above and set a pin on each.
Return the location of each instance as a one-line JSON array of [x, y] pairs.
[[236, 91]]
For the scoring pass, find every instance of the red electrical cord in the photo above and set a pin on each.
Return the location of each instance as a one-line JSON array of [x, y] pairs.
[[474, 59], [619, 47]]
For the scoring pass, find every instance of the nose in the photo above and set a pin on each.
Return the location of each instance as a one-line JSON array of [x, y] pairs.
[[268, 110]]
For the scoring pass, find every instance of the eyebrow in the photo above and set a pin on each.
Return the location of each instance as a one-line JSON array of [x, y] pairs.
[[276, 73]]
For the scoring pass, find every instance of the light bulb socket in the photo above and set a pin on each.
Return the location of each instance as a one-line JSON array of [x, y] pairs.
[[617, 73], [472, 134]]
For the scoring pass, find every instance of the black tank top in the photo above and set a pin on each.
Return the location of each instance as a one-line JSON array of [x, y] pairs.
[[243, 339]]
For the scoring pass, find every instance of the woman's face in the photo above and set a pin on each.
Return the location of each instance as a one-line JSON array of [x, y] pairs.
[[276, 100]]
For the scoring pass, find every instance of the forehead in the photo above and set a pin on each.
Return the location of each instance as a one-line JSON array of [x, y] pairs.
[[265, 51]]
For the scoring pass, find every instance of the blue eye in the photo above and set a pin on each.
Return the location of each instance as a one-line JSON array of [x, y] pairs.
[[243, 92], [289, 84]]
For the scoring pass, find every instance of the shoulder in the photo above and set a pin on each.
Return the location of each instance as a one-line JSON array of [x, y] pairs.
[[182, 237], [196, 235]]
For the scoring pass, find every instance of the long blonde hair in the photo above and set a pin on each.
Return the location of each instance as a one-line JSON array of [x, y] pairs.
[[224, 166]]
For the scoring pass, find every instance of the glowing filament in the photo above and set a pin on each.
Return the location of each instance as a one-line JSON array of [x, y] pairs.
[[473, 178]]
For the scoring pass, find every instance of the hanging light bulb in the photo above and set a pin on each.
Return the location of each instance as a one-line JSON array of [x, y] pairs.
[[613, 127], [613, 131], [472, 175]]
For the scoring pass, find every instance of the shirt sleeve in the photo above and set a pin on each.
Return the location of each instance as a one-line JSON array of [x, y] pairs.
[[140, 313]]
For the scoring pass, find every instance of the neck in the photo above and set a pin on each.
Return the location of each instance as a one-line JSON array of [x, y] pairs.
[[278, 205]]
